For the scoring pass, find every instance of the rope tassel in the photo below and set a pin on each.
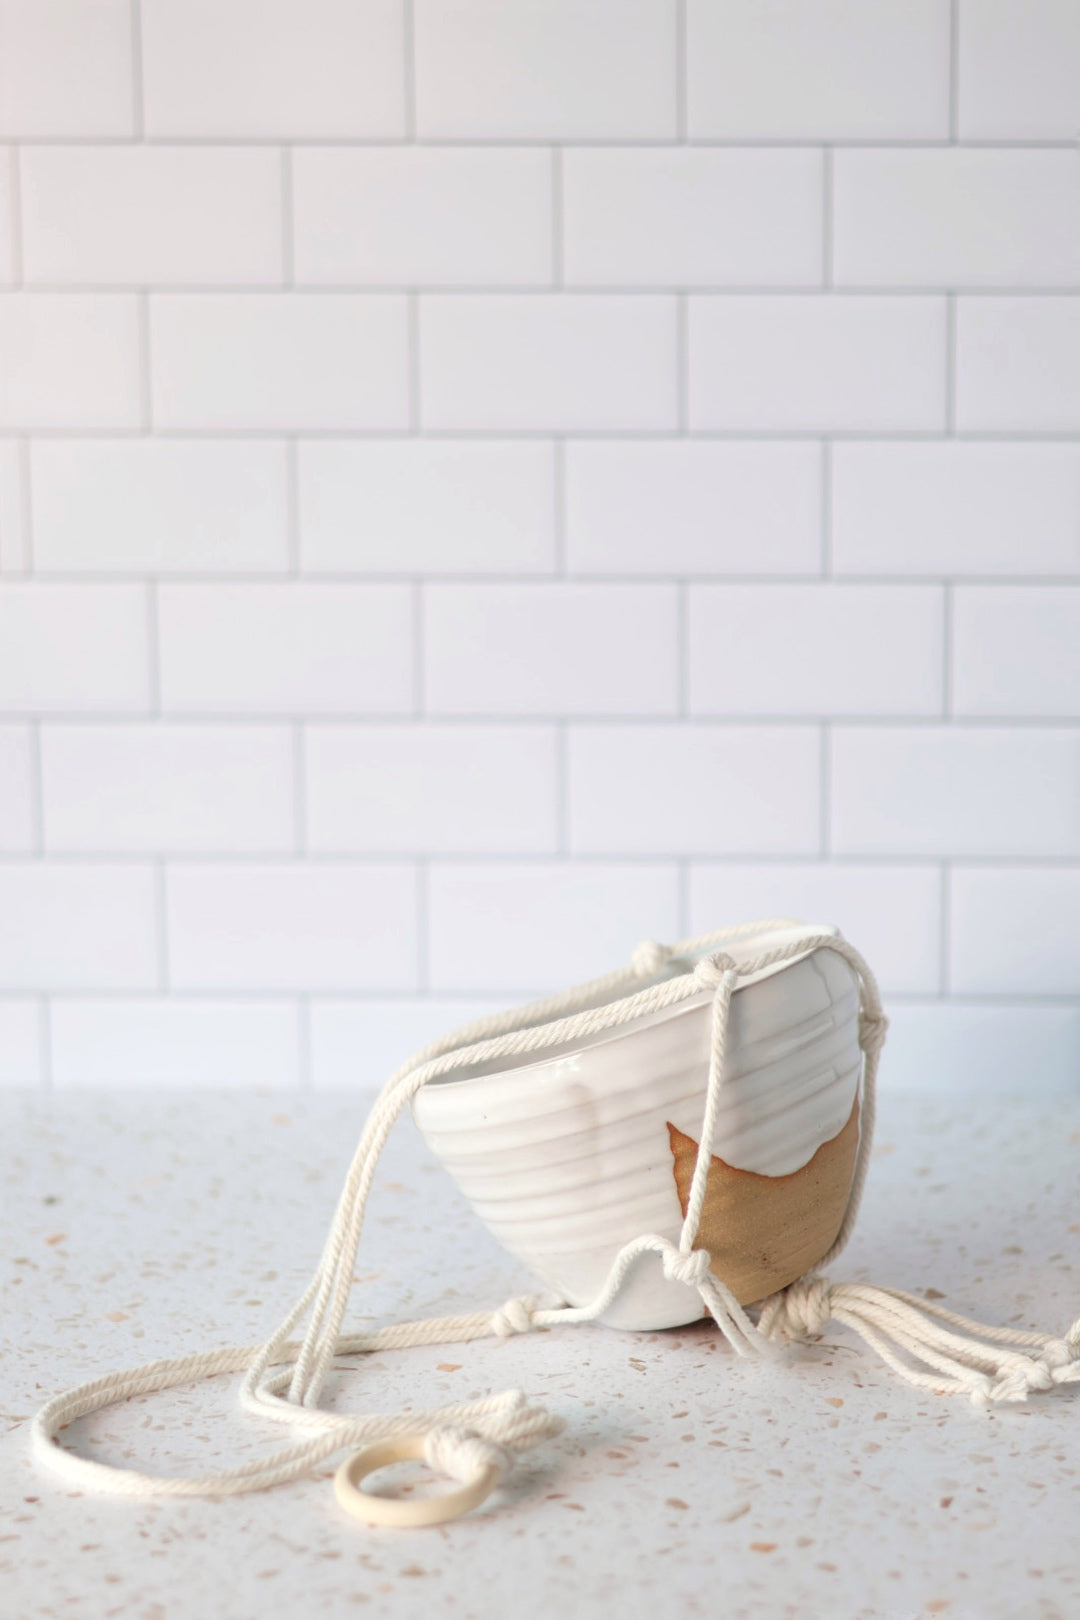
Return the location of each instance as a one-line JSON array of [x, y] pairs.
[[924, 1344]]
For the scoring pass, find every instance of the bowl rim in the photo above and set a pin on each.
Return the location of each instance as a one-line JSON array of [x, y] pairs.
[[532, 1061]]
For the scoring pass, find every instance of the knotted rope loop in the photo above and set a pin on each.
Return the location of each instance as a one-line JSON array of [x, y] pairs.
[[801, 1311], [1060, 1355], [464, 1454], [1058, 1364], [650, 959], [710, 972], [872, 1031], [691, 1269], [515, 1316], [927, 1345]]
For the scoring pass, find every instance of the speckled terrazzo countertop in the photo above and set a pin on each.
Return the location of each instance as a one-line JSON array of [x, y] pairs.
[[686, 1483]]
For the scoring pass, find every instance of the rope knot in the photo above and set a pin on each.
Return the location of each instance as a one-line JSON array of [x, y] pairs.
[[1058, 1364], [709, 972], [1018, 1383], [691, 1269], [650, 958], [1059, 1354], [464, 1454], [803, 1309], [513, 1317]]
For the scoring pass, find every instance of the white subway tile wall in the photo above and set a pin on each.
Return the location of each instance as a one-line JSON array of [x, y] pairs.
[[482, 484], [859, 649], [818, 70], [160, 215], [426, 506], [548, 362], [450, 790], [67, 71], [320, 926], [180, 789], [694, 790], [272, 69], [422, 216], [159, 506], [247, 362], [846, 363], [70, 362]]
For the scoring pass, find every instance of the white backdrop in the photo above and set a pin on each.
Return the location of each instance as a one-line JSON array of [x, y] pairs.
[[486, 481]]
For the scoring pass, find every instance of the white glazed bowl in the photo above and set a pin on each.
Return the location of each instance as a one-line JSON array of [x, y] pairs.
[[568, 1157]]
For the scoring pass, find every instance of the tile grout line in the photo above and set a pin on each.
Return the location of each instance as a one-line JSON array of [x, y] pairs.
[[620, 720], [299, 786], [14, 161], [930, 998], [37, 790], [945, 936], [419, 649], [304, 1077], [288, 235], [397, 859], [947, 602], [950, 365], [559, 514], [682, 648], [146, 382], [825, 790], [138, 110], [681, 87], [954, 70], [541, 577], [412, 315], [394, 140], [827, 217], [161, 923], [423, 926], [153, 651], [45, 1042], [826, 509], [558, 251], [26, 505], [540, 288], [562, 789], [588, 436], [292, 507], [682, 363], [408, 68]]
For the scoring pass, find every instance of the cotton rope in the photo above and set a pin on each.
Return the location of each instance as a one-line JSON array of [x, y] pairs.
[[476, 1442]]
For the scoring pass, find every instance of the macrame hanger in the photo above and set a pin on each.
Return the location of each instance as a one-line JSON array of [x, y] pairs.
[[283, 1379]]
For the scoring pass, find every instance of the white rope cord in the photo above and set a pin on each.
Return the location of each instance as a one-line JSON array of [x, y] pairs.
[[283, 1378]]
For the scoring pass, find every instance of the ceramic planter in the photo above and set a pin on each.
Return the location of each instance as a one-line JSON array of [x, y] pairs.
[[568, 1157]]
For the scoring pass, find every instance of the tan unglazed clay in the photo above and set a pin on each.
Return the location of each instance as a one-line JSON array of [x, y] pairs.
[[764, 1231]]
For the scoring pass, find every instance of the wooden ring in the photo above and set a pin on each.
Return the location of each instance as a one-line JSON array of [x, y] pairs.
[[403, 1511]]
